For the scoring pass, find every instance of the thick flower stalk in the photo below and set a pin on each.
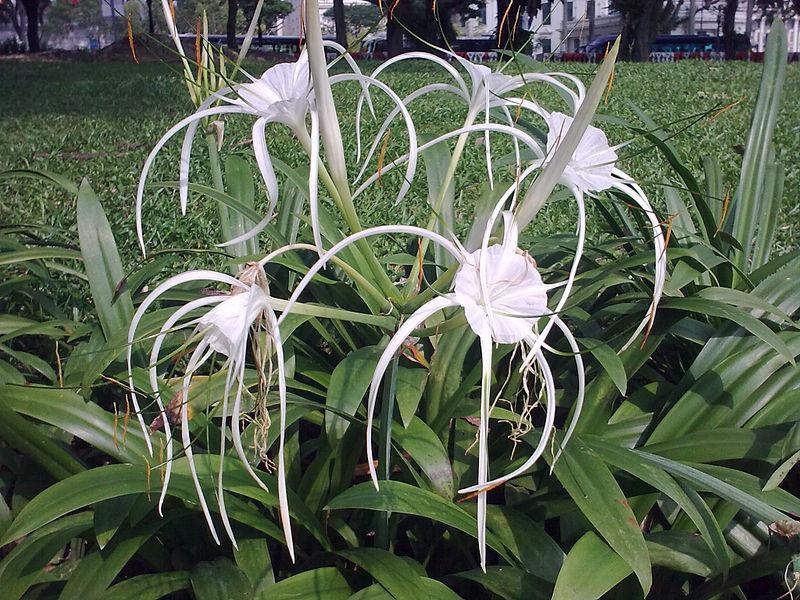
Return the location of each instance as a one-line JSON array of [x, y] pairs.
[[227, 330]]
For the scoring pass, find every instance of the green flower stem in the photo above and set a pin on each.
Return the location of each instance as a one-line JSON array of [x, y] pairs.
[[225, 215], [382, 539], [458, 150]]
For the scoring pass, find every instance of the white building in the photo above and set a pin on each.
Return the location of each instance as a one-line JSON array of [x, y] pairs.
[[564, 26]]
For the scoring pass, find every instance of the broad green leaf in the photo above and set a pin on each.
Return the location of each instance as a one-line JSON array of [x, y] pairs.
[[702, 481], [395, 496], [527, 540], [689, 501], [349, 382], [609, 360], [779, 474], [109, 515], [20, 568], [768, 226], [427, 451], [18, 256], [103, 264], [239, 181], [66, 410], [32, 441], [42, 175], [113, 481], [399, 576], [591, 485], [738, 316], [326, 583], [741, 299], [590, 570], [680, 551], [410, 387], [252, 557], [509, 583], [747, 207], [437, 162], [97, 570], [220, 580], [149, 587]]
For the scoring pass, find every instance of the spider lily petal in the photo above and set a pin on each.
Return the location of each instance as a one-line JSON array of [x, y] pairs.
[[410, 129], [413, 321], [202, 114], [547, 429], [137, 317], [153, 373], [223, 330]]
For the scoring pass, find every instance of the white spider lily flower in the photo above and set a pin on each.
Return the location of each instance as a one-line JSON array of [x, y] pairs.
[[503, 297], [281, 95], [224, 330], [591, 168], [487, 90]]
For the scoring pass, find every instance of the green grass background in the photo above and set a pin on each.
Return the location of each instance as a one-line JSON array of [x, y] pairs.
[[99, 120]]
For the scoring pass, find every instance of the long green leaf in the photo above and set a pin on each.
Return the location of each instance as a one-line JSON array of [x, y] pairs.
[[398, 497], [103, 264], [590, 484], [220, 580], [747, 208], [590, 570], [400, 577], [349, 382], [326, 583], [148, 587]]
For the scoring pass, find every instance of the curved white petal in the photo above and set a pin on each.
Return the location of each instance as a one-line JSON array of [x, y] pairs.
[[434, 87], [483, 442], [546, 431], [186, 147], [576, 411], [137, 317], [196, 360], [635, 193], [413, 321], [265, 163], [283, 501], [410, 128], [495, 127], [153, 373], [313, 182], [157, 148], [573, 272], [351, 239]]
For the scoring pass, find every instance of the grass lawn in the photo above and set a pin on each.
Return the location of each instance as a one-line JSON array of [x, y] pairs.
[[99, 120]]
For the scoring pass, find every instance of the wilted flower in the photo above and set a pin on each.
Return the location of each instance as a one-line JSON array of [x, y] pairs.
[[223, 330]]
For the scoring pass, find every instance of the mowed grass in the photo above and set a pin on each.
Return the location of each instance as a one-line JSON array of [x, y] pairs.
[[100, 120]]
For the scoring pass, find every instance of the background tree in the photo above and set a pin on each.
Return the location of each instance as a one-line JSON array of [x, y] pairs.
[[430, 21], [34, 15], [642, 21], [359, 20], [339, 20], [510, 15]]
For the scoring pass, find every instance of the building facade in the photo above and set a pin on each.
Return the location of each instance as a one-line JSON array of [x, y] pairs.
[[565, 26]]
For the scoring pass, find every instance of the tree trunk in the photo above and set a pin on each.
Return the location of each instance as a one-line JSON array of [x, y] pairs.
[[690, 20], [339, 21], [748, 24], [150, 23], [230, 30], [729, 28], [590, 13], [32, 15], [394, 37]]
